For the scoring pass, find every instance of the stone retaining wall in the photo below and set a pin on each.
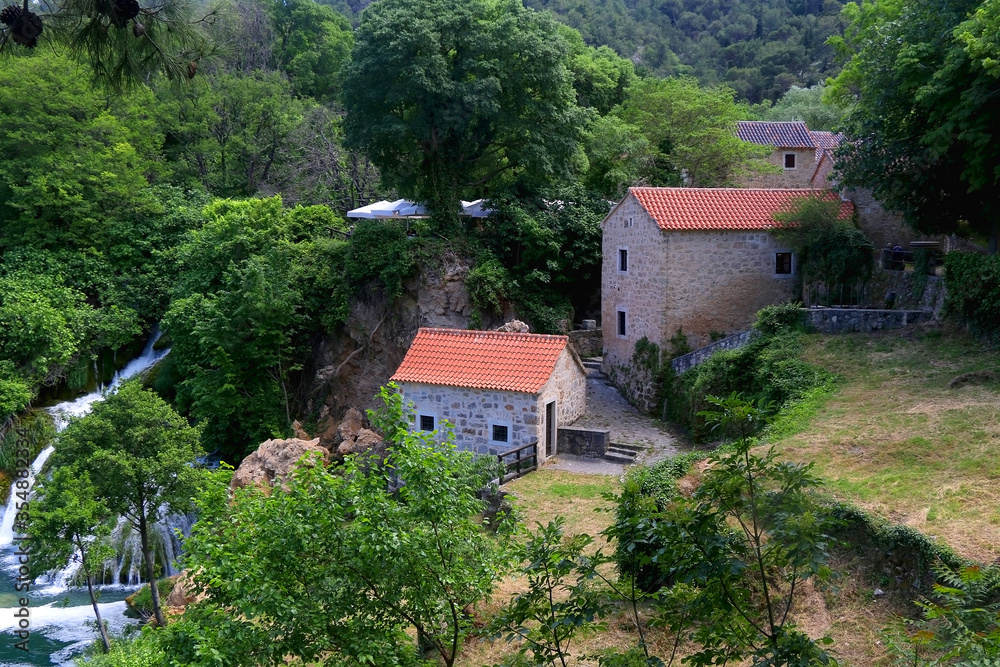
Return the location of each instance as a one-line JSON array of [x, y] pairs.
[[582, 442], [843, 320], [587, 343], [692, 359]]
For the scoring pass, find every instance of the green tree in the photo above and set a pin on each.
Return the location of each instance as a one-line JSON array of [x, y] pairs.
[[693, 130], [830, 249], [619, 156], [807, 105], [922, 130], [68, 522], [601, 78], [138, 453], [740, 548], [312, 44], [449, 99], [340, 563]]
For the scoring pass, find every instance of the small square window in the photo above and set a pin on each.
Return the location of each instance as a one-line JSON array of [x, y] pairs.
[[621, 323], [783, 263], [623, 260], [426, 422], [500, 433], [789, 160]]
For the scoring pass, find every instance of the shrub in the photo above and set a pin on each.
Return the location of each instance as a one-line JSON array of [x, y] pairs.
[[973, 284]]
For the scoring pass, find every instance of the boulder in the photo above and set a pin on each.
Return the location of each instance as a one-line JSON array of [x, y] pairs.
[[273, 461], [299, 432], [364, 440], [514, 326], [350, 425]]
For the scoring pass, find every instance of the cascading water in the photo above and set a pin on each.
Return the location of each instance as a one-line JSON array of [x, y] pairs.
[[61, 618]]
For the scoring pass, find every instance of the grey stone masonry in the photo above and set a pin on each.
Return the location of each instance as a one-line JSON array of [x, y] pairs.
[[478, 416], [582, 442], [692, 359], [587, 342], [842, 320]]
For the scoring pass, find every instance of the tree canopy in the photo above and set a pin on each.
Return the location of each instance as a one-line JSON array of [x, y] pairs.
[[926, 97], [449, 99]]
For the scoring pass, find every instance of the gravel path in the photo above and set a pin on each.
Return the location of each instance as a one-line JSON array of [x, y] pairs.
[[608, 410]]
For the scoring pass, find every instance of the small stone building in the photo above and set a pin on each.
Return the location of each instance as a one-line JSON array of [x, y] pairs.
[[498, 390], [805, 157], [697, 260]]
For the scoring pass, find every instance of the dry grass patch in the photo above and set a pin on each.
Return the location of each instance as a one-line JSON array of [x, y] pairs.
[[897, 440]]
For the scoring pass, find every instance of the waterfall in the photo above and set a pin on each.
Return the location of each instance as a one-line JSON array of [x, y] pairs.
[[59, 613]]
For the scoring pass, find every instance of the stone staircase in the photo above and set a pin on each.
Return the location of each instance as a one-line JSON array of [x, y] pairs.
[[593, 366], [622, 453]]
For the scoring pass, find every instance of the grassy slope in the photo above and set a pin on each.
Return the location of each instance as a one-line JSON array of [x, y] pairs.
[[896, 439]]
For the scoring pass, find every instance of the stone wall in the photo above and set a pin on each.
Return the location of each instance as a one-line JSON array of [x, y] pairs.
[[880, 226], [843, 320], [473, 412], [568, 388], [689, 361], [639, 291], [718, 280], [587, 343], [800, 177], [582, 442]]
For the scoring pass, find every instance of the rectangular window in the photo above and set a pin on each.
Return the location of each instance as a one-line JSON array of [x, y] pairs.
[[621, 323], [789, 160], [628, 223], [783, 263], [426, 422], [623, 260], [500, 433]]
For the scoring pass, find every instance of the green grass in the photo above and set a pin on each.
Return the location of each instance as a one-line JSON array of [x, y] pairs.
[[895, 439]]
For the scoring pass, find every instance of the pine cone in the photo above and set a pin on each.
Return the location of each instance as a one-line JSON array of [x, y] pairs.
[[192, 69], [26, 29], [124, 11], [9, 14], [138, 29]]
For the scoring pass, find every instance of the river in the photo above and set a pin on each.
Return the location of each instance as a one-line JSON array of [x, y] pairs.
[[61, 618]]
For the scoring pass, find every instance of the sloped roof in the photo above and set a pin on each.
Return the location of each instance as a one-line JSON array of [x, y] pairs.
[[783, 134], [826, 140], [402, 208], [481, 359], [723, 208]]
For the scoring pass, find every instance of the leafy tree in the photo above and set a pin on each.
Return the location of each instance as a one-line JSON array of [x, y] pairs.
[[448, 99], [67, 161], [138, 453], [601, 78], [619, 156], [806, 104], [560, 600], [312, 44], [922, 131], [339, 563], [741, 547], [693, 131], [68, 522], [830, 249], [237, 321]]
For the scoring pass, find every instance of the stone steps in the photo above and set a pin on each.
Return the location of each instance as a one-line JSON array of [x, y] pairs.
[[622, 453]]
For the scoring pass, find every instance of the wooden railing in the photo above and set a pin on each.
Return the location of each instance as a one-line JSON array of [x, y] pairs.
[[525, 459]]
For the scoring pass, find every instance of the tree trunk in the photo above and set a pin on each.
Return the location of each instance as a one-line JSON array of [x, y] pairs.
[[97, 612], [994, 233], [147, 555]]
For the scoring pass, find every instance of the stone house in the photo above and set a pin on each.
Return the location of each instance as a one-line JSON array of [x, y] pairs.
[[498, 390], [697, 260], [805, 157]]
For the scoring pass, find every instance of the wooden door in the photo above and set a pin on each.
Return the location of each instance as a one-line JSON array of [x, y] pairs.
[[550, 428]]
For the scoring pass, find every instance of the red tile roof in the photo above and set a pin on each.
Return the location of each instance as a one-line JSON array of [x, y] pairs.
[[723, 208], [792, 134], [481, 359]]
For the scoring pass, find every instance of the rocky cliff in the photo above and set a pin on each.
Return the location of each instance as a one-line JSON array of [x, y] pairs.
[[354, 362]]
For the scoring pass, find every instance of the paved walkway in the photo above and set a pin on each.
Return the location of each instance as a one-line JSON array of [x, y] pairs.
[[608, 410]]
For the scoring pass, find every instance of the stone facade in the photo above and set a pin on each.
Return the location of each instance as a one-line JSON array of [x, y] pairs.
[[473, 413], [583, 442], [843, 320], [801, 176], [699, 282]]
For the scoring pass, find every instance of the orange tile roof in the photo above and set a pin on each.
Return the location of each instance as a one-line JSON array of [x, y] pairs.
[[723, 208], [481, 359]]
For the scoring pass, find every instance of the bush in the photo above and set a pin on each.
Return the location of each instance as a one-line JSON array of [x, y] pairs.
[[379, 251], [973, 284], [767, 369], [488, 283]]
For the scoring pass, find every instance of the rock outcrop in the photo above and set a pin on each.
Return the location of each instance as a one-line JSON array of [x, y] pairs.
[[274, 461], [514, 326]]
